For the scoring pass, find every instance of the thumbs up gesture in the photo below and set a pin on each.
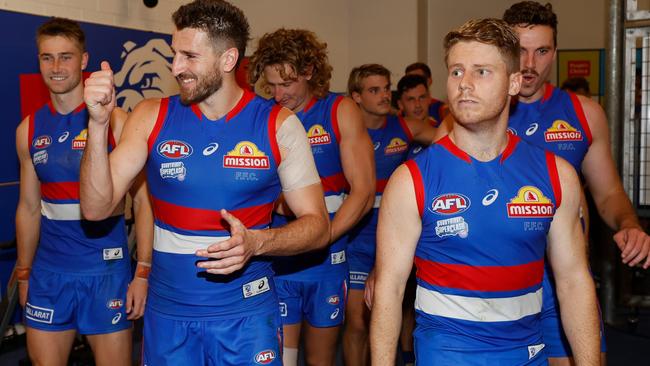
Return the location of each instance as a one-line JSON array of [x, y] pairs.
[[99, 94]]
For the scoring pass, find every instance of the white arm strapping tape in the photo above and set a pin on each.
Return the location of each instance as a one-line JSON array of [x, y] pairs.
[[297, 168]]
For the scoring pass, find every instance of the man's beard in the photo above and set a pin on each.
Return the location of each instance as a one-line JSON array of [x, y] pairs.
[[205, 86]]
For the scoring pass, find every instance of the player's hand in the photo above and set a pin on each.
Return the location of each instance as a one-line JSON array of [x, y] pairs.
[[232, 254], [369, 291], [23, 287], [136, 298], [634, 244], [99, 94]]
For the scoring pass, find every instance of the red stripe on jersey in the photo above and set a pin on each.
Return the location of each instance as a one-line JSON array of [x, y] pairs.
[[452, 148], [480, 278], [30, 130], [406, 128], [335, 118], [381, 185], [311, 103], [510, 147], [334, 183], [548, 91], [60, 190], [418, 184], [245, 98], [162, 113], [551, 163], [273, 141], [189, 218], [582, 118]]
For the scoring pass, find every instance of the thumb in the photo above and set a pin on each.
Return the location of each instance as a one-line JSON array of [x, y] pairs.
[[105, 66], [230, 219]]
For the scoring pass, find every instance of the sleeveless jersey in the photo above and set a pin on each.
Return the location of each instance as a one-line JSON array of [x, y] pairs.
[[437, 110], [480, 256], [391, 144], [320, 120], [556, 123], [67, 243], [195, 168]]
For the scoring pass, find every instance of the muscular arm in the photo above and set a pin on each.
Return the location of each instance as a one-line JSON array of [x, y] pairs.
[[397, 234], [104, 181], [303, 195], [28, 213], [423, 133], [357, 159], [575, 287], [607, 190]]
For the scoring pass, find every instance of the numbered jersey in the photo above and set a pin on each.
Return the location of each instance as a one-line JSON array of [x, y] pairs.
[[480, 256], [556, 123], [196, 167], [56, 144]]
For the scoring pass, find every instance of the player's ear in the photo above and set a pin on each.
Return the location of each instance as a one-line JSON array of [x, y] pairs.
[[228, 59], [515, 83]]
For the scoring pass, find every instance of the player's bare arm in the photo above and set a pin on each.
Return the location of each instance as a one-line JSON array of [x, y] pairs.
[[398, 232], [303, 194], [358, 162], [104, 181], [423, 132], [28, 213], [607, 190], [575, 287]]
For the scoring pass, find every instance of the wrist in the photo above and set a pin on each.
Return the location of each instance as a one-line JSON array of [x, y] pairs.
[[22, 273], [142, 270]]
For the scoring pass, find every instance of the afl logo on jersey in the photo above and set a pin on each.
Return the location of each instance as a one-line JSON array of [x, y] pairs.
[[246, 155], [449, 204], [396, 146], [530, 202], [318, 136], [41, 142], [265, 357], [174, 149], [562, 131]]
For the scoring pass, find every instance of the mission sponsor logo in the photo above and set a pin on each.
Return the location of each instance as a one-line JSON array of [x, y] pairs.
[[449, 204], [41, 142], [174, 149], [318, 135], [530, 202], [79, 142], [265, 357], [562, 131], [246, 155], [396, 146]]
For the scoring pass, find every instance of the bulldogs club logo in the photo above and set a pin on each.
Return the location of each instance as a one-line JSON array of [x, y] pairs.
[[246, 155], [562, 131], [530, 202], [145, 73], [449, 204], [396, 146], [41, 142], [174, 149], [318, 136], [79, 142]]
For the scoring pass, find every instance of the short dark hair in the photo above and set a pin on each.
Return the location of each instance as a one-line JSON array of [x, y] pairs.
[[527, 13], [361, 72], [576, 83], [490, 31], [408, 82], [62, 27], [419, 66], [222, 21]]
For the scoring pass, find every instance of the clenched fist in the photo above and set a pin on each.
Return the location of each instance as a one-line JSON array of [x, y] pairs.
[[99, 94]]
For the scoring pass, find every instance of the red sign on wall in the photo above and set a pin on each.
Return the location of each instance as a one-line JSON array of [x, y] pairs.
[[579, 68]]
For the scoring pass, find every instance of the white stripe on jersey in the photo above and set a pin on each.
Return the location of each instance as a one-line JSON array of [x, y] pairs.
[[61, 211], [171, 242], [478, 309], [333, 203]]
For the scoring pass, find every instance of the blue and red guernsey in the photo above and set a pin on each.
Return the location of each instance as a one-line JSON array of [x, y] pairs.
[[556, 123], [320, 120], [437, 110], [197, 167], [391, 143], [480, 257], [56, 144]]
